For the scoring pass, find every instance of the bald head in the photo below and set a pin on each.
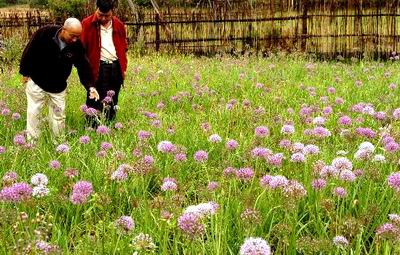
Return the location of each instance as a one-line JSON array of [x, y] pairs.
[[72, 23], [71, 30]]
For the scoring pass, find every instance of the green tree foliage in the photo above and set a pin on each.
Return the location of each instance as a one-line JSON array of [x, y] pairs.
[[61, 9]]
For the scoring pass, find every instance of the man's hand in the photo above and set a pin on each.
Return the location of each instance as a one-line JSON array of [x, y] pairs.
[[24, 79], [93, 94]]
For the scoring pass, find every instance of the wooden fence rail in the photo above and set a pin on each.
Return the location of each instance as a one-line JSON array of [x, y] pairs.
[[353, 29]]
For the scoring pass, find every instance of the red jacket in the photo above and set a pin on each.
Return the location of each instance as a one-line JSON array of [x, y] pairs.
[[90, 38]]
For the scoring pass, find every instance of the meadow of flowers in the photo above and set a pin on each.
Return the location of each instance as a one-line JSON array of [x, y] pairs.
[[283, 155]]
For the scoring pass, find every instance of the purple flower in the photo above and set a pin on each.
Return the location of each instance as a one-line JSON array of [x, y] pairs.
[[10, 177], [84, 139], [275, 160], [344, 121], [19, 140], [2, 149], [287, 129], [347, 175], [396, 114], [125, 224], [261, 152], [388, 230], [169, 185], [201, 156], [166, 147], [191, 225], [321, 132], [214, 138], [180, 157], [101, 153], [255, 246], [392, 147], [143, 135], [118, 125], [340, 192], [54, 164], [212, 186], [16, 193], [327, 110], [294, 189], [342, 163], [62, 148], [16, 116], [278, 181], [231, 144], [106, 146], [102, 130], [81, 192], [265, 180], [229, 171], [285, 144], [245, 174], [5, 111], [298, 157], [340, 241], [318, 184], [261, 131], [310, 149], [394, 181]]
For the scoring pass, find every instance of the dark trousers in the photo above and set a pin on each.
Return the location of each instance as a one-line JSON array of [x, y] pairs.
[[110, 78]]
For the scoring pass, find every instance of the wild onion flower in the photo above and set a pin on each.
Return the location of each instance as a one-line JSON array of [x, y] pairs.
[[255, 246], [166, 147], [39, 179], [201, 156], [125, 224], [340, 241]]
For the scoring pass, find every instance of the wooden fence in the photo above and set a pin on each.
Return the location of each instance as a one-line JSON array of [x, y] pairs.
[[327, 28]]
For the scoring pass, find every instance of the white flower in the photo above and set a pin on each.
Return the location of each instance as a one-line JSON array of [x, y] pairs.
[[40, 191], [39, 179]]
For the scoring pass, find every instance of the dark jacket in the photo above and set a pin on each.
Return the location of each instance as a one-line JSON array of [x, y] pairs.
[[48, 66], [90, 38]]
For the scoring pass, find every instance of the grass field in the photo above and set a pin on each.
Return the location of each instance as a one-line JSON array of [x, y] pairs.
[[206, 153]]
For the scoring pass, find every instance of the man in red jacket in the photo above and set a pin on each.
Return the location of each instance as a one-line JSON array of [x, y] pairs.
[[104, 38]]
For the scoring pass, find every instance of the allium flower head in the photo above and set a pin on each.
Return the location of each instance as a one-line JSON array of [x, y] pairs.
[[318, 184], [231, 144], [39, 179], [245, 174], [19, 140], [340, 192], [84, 139], [81, 192], [394, 181], [342, 163], [125, 224], [102, 130], [340, 241], [255, 246], [54, 164], [40, 191], [190, 224], [214, 138], [201, 156], [166, 147], [287, 129], [143, 243], [10, 177], [261, 131], [62, 148]]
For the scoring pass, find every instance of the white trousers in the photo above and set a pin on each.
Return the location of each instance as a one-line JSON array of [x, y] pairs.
[[36, 98]]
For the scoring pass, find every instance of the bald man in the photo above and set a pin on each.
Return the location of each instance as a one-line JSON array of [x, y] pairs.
[[45, 65]]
